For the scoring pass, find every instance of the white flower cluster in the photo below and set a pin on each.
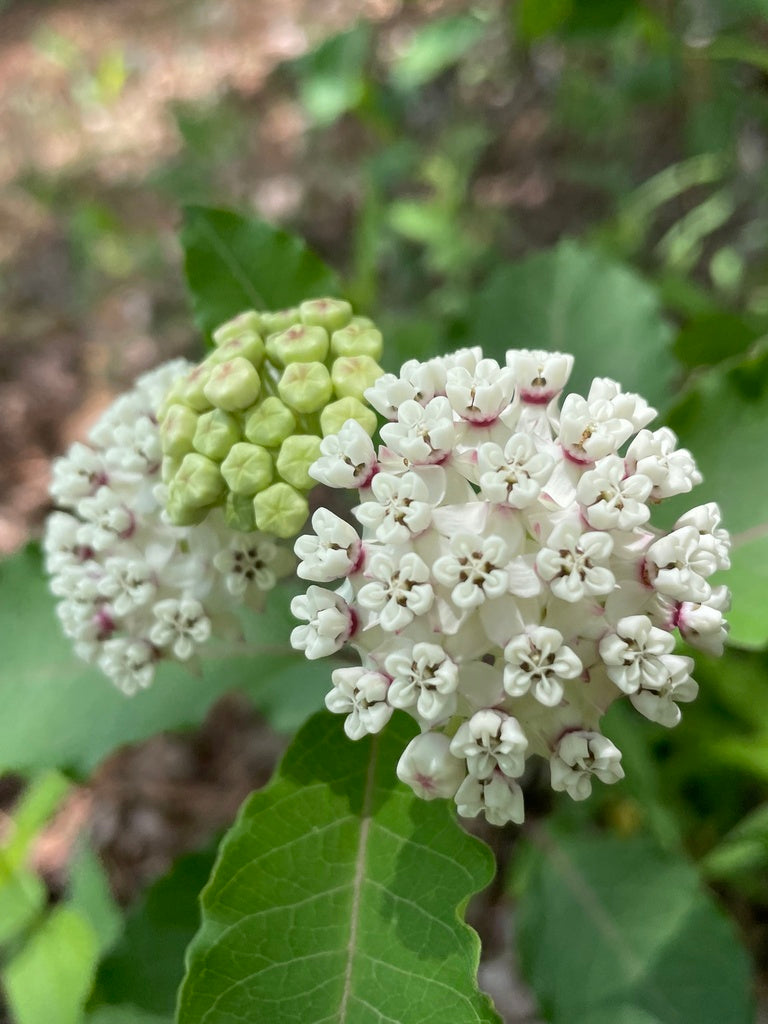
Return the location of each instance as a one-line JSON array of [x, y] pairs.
[[133, 589], [508, 585]]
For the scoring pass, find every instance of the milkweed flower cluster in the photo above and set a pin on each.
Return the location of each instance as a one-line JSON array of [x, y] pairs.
[[508, 585], [133, 588], [240, 430]]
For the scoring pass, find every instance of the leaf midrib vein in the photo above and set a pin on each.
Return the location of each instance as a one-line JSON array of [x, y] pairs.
[[359, 876], [231, 261]]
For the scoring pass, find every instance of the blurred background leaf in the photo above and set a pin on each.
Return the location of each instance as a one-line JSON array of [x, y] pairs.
[[57, 699], [614, 929]]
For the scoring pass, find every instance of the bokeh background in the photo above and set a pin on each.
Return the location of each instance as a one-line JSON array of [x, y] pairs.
[[441, 155]]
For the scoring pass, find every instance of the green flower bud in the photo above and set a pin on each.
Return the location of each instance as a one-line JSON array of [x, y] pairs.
[[191, 390], [170, 467], [361, 322], [357, 341], [248, 345], [351, 375], [279, 320], [247, 469], [305, 387], [270, 423], [198, 481], [248, 322], [280, 510], [233, 385], [181, 514], [216, 432], [228, 428], [334, 416], [299, 344], [177, 430], [238, 512], [295, 457], [329, 313]]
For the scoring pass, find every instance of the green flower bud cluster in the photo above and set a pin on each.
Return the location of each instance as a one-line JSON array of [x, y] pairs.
[[241, 430]]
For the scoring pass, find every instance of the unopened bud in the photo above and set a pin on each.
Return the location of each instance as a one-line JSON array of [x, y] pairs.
[[305, 387], [192, 389], [198, 481], [270, 423], [182, 514], [296, 456], [329, 313], [238, 512], [355, 340], [247, 469], [334, 416], [216, 432], [299, 344], [280, 510], [248, 322], [247, 345], [351, 375], [177, 430], [233, 385], [279, 320]]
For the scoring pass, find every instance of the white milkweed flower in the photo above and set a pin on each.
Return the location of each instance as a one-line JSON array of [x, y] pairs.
[[362, 697], [329, 622], [508, 584], [539, 661], [578, 757], [134, 589], [334, 551], [500, 799], [424, 676], [491, 740]]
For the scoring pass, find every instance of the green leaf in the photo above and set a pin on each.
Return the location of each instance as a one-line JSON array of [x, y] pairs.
[[233, 262], [36, 807], [50, 977], [722, 419], [744, 849], [147, 966], [335, 897], [90, 895], [642, 780], [22, 898], [750, 754], [126, 1013], [53, 700], [537, 18], [436, 46], [711, 338], [574, 299], [332, 78], [613, 929], [22, 893]]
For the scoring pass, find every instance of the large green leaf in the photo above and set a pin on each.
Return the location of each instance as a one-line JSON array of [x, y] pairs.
[[723, 419], [574, 299], [335, 898], [59, 712], [615, 930], [233, 262], [147, 966]]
